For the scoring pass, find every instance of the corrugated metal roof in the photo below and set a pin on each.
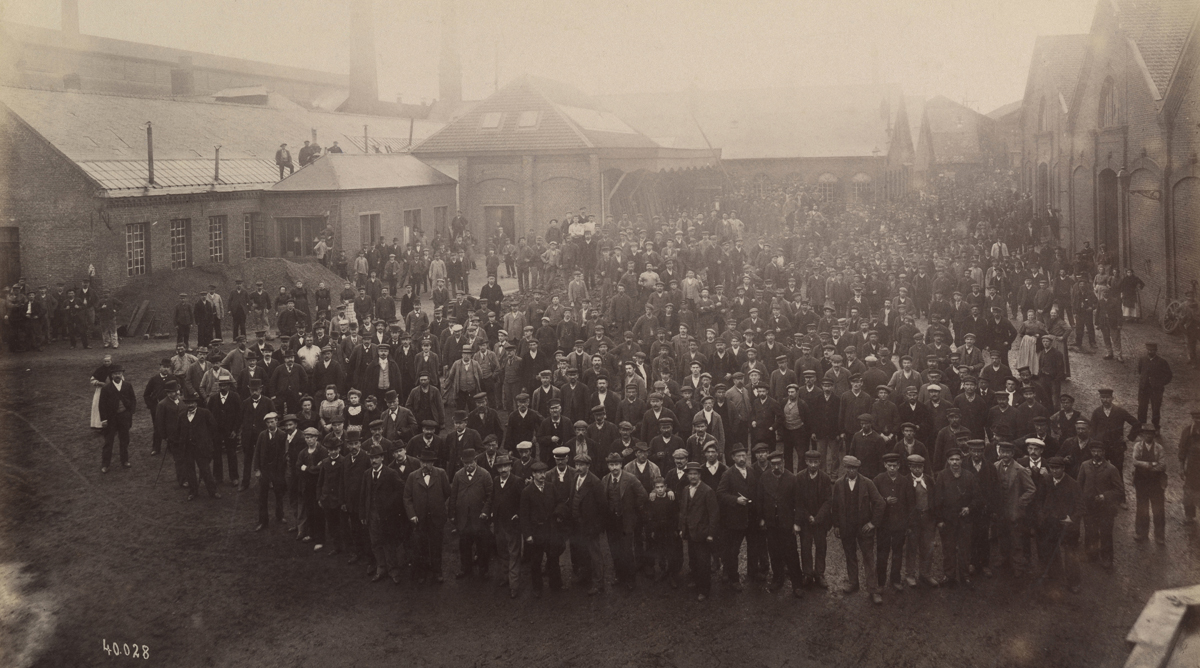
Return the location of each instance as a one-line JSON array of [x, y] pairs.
[[91, 126], [564, 119], [1159, 28], [362, 172], [123, 177], [767, 123]]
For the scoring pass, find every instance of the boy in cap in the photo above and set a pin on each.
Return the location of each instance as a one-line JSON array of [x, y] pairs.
[[666, 550]]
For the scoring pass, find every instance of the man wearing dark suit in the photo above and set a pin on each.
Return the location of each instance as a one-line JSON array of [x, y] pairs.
[[522, 425], [166, 423], [1059, 506], [699, 515], [425, 495], [255, 408], [857, 509], [380, 505], [288, 383], [270, 467], [227, 409], [470, 508], [587, 511], [814, 490], [197, 433], [824, 409], [896, 488], [382, 374], [575, 396], [958, 501], [776, 501], [553, 432], [506, 522], [358, 463], [117, 404], [625, 500], [540, 508]]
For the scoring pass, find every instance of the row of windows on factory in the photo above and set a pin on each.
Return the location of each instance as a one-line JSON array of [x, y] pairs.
[[295, 235]]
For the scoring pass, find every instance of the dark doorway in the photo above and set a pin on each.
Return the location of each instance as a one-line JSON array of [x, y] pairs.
[[504, 216], [1107, 228], [1043, 188], [10, 255]]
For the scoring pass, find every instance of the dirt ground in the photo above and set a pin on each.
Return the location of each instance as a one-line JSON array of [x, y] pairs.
[[89, 559]]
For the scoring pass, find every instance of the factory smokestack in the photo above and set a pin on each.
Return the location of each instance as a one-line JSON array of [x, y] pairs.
[[364, 84], [70, 17], [450, 66]]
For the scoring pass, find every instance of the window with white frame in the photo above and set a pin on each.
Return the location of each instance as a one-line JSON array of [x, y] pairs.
[[216, 239], [135, 249], [181, 243]]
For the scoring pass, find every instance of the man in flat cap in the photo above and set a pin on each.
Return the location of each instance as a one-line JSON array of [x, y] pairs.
[[1014, 494], [958, 500], [698, 520], [587, 516], [857, 509], [1059, 508], [918, 547], [896, 488], [625, 503], [814, 491], [775, 498], [1103, 492]]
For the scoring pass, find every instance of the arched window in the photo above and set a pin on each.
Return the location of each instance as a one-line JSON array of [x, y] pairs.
[[1108, 105], [826, 187], [861, 188]]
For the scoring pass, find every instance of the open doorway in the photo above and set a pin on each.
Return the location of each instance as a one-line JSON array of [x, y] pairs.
[[502, 216], [1107, 226]]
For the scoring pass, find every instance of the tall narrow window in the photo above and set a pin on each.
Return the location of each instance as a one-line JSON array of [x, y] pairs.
[[216, 239], [827, 187], [412, 218], [135, 249], [181, 243], [1108, 105], [249, 223]]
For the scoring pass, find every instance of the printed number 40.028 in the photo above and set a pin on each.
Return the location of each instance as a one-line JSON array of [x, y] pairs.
[[134, 651]]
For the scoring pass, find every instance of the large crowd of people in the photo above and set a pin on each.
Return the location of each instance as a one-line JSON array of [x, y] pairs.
[[891, 374]]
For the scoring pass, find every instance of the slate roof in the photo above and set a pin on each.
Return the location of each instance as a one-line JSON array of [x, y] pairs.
[[1059, 60], [954, 131], [768, 122], [1159, 28], [348, 171], [563, 119], [94, 126]]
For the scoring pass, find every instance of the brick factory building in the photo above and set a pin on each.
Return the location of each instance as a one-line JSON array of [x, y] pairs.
[[80, 188], [1110, 136]]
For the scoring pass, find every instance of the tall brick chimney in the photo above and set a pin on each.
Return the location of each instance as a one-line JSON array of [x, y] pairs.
[[450, 65], [364, 84], [70, 17]]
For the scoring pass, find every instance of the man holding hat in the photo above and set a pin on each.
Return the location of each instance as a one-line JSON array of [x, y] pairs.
[[857, 509], [117, 404], [470, 509], [426, 493], [698, 518]]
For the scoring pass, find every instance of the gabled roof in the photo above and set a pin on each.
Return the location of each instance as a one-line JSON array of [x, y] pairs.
[[93, 126], [1000, 112], [767, 122], [1159, 29], [954, 132], [346, 171], [558, 117], [1058, 59]]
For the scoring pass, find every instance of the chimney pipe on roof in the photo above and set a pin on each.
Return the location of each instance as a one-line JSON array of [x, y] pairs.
[[150, 151], [217, 166], [364, 84], [70, 17]]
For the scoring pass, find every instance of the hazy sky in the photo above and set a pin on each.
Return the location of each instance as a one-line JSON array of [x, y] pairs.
[[977, 50]]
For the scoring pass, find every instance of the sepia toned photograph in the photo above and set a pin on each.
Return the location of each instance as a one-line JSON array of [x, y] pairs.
[[671, 333]]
